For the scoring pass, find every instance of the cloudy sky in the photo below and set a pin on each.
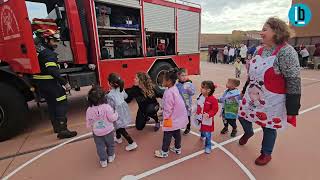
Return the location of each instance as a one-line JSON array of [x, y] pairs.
[[223, 16]]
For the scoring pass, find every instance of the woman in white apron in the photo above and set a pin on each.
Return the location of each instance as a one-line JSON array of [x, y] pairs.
[[271, 96]]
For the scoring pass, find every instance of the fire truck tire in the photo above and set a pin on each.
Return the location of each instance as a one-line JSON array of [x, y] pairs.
[[157, 71], [13, 110]]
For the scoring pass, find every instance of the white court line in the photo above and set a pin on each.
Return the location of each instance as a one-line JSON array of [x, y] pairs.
[[178, 161], [236, 160], [156, 169]]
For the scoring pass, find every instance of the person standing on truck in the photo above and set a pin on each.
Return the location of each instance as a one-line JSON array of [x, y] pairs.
[[49, 82]]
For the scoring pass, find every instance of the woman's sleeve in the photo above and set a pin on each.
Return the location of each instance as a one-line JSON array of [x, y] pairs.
[[288, 61], [130, 94], [168, 104], [158, 92], [245, 86]]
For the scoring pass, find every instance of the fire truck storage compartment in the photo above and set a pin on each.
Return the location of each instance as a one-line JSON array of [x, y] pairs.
[[160, 44], [119, 29], [160, 25]]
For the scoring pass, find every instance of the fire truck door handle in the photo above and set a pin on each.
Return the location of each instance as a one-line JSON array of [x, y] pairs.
[[190, 59], [124, 65], [23, 48]]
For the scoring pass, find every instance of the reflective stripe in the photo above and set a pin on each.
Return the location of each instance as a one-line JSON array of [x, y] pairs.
[[42, 77], [64, 97], [51, 64]]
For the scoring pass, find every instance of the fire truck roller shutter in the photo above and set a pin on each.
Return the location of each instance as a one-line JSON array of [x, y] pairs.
[[159, 18], [188, 32], [126, 3]]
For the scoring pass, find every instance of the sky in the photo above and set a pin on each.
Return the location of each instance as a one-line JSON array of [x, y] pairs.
[[223, 16]]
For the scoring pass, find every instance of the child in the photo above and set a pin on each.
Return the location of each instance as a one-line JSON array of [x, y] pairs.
[[230, 104], [100, 118], [116, 98], [186, 90], [238, 67], [207, 107], [174, 115], [146, 94]]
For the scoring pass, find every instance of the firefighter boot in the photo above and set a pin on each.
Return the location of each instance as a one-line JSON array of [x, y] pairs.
[[65, 132], [55, 125]]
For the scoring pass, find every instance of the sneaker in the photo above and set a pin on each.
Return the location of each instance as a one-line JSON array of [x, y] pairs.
[[224, 130], [119, 141], [161, 154], [104, 163], [111, 158], [157, 127], [175, 150], [207, 150], [263, 159], [234, 132], [131, 147], [244, 139], [187, 131]]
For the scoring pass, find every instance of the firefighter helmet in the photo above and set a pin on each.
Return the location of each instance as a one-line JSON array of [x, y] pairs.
[[45, 28]]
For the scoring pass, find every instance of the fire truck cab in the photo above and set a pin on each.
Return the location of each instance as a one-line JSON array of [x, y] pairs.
[[98, 37]]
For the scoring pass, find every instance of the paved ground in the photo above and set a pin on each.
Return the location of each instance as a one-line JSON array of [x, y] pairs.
[[295, 156]]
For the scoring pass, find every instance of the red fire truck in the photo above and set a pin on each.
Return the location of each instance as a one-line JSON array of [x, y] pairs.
[[122, 36]]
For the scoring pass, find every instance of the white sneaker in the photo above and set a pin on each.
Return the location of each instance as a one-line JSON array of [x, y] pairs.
[[104, 163], [131, 147], [175, 150], [119, 141], [111, 158]]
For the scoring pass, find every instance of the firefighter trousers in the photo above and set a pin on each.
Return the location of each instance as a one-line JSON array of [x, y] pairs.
[[56, 98]]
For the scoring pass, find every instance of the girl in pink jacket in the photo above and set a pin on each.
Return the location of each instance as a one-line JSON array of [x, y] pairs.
[[100, 118], [174, 115]]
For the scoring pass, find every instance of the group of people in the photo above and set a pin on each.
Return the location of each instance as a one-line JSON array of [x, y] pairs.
[[270, 98]]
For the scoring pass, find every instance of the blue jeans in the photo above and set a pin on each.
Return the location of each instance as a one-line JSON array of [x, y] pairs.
[[207, 135], [269, 136]]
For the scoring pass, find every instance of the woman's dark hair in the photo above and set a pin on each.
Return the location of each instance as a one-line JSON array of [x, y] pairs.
[[209, 85], [171, 75], [96, 96], [116, 81]]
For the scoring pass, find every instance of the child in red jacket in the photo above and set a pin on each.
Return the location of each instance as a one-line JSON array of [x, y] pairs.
[[207, 108]]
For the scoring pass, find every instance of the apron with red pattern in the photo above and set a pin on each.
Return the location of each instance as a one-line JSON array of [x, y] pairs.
[[264, 101]]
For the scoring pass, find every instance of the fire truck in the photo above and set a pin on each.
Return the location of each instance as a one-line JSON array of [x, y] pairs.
[[98, 37]]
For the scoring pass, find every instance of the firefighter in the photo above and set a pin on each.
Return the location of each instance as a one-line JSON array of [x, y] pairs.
[[49, 82]]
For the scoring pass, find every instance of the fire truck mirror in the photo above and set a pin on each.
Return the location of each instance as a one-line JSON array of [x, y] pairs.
[[23, 48]]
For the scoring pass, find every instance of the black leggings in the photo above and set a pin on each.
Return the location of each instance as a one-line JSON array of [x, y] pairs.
[[167, 136], [232, 122], [124, 133], [143, 115]]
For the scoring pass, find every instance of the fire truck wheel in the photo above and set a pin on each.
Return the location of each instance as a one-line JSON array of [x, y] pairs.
[[157, 72], [13, 110]]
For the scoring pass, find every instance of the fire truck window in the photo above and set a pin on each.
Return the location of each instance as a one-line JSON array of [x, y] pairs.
[[36, 10]]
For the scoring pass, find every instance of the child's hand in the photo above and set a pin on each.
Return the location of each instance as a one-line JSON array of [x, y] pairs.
[[206, 116]]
